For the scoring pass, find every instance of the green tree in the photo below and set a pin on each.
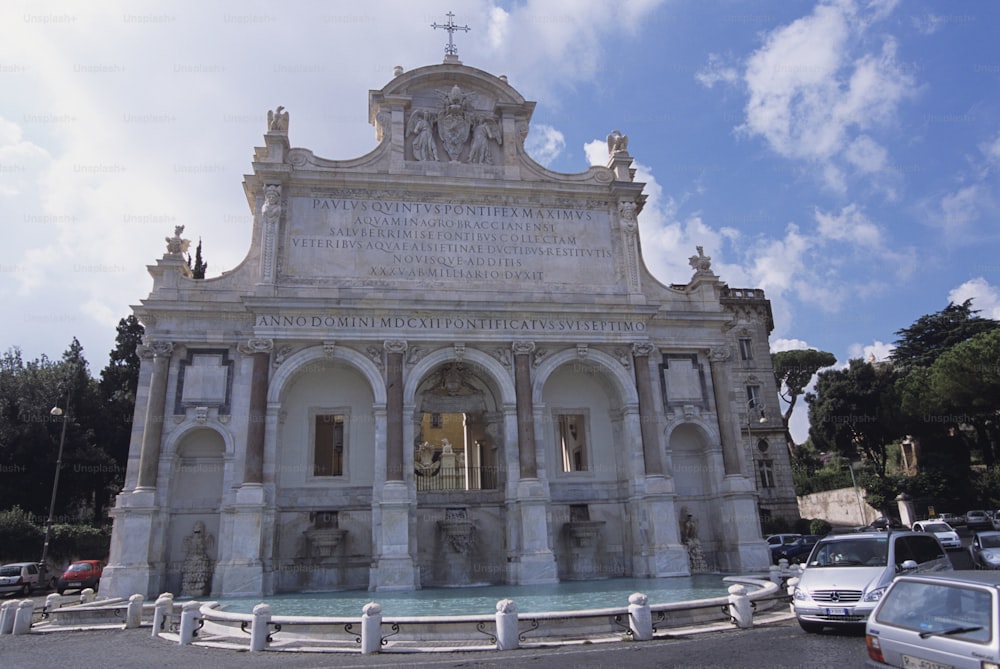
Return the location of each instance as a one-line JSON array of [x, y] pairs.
[[793, 370], [200, 267], [920, 344], [854, 412]]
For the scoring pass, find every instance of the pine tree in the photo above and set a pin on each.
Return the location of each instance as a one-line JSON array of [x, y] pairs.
[[200, 267]]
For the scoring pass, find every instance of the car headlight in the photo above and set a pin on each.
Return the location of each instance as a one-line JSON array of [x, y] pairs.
[[991, 556], [875, 594], [800, 594]]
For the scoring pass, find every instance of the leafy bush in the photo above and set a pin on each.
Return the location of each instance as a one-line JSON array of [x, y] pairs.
[[20, 539], [819, 526]]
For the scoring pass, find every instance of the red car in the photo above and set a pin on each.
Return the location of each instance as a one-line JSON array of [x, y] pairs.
[[79, 575]]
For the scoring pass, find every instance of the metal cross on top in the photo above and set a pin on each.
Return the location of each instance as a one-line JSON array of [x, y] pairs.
[[451, 49]]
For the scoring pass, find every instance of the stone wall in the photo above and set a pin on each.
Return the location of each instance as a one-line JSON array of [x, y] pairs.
[[838, 507]]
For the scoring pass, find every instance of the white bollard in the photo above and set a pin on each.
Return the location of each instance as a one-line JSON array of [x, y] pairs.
[[507, 625], [371, 628], [162, 611], [640, 619], [774, 574], [189, 621], [259, 629], [52, 602], [133, 615], [790, 589], [739, 606], [22, 619], [7, 610], [87, 595], [783, 564]]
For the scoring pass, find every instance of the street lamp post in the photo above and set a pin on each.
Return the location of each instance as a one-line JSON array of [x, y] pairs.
[[56, 411], [857, 493]]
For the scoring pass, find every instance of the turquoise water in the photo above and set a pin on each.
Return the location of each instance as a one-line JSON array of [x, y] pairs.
[[565, 596]]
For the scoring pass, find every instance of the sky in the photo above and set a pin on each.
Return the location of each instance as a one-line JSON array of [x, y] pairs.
[[843, 155]]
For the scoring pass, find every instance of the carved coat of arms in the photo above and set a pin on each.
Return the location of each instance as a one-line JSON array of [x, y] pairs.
[[455, 122]]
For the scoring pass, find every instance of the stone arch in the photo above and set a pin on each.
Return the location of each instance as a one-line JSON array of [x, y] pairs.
[[621, 376], [295, 362], [495, 371], [199, 472]]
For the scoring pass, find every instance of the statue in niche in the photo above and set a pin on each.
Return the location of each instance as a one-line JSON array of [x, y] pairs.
[[485, 130], [617, 143], [176, 245], [427, 461], [271, 209], [277, 120], [455, 122], [196, 572], [421, 128], [689, 537]]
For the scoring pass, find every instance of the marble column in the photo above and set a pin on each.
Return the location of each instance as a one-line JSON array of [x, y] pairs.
[[647, 412], [394, 408], [253, 464], [722, 385], [525, 410], [152, 434]]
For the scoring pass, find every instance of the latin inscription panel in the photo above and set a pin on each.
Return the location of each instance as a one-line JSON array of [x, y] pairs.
[[446, 242]]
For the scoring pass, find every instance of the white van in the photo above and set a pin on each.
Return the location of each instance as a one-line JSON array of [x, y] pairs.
[[847, 574]]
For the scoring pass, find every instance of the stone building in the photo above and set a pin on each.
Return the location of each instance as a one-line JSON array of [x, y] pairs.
[[442, 363]]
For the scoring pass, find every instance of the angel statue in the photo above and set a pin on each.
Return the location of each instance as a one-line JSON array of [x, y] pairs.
[[485, 129], [421, 129], [277, 120], [617, 143]]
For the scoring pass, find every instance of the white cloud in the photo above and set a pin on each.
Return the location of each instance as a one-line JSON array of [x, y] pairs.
[[814, 93], [778, 345], [879, 349], [544, 143], [985, 297], [852, 226], [960, 208], [716, 71]]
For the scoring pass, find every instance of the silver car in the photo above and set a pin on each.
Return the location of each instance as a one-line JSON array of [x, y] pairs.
[[985, 550], [937, 621], [945, 533], [846, 574], [19, 577]]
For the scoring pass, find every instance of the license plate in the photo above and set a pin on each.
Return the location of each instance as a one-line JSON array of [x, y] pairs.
[[910, 662], [837, 612]]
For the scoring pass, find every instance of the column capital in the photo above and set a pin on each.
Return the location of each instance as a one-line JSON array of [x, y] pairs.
[[253, 346], [523, 347], [395, 346], [155, 348], [720, 354], [642, 349]]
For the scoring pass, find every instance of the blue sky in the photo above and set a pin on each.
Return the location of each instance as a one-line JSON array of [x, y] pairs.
[[842, 155]]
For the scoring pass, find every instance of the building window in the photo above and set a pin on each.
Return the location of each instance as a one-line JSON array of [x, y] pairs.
[[436, 420], [765, 470], [328, 445], [746, 348], [753, 397], [573, 442]]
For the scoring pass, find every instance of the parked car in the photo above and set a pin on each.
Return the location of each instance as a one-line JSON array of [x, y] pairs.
[[846, 574], [996, 519], [19, 577], [945, 533], [978, 520], [798, 550], [937, 621], [985, 550], [883, 523], [79, 575], [776, 542]]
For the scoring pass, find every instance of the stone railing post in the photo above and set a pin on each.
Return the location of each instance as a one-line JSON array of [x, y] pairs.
[[774, 574], [162, 611], [7, 610], [507, 635], [133, 615], [87, 595], [371, 628], [640, 618], [259, 629], [52, 602], [739, 606], [22, 619], [189, 619], [790, 589]]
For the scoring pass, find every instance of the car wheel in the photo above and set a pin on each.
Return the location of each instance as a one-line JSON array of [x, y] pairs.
[[812, 628]]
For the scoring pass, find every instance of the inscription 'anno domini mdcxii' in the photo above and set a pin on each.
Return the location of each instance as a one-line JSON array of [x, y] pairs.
[[446, 240]]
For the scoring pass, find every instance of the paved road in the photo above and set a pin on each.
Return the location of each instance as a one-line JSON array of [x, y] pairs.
[[772, 647]]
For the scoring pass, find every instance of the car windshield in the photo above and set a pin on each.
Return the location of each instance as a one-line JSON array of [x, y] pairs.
[[939, 609], [10, 571], [82, 566], [990, 541], [850, 553], [937, 527]]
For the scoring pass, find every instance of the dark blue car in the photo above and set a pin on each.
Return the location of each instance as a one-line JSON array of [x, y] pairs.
[[798, 550]]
